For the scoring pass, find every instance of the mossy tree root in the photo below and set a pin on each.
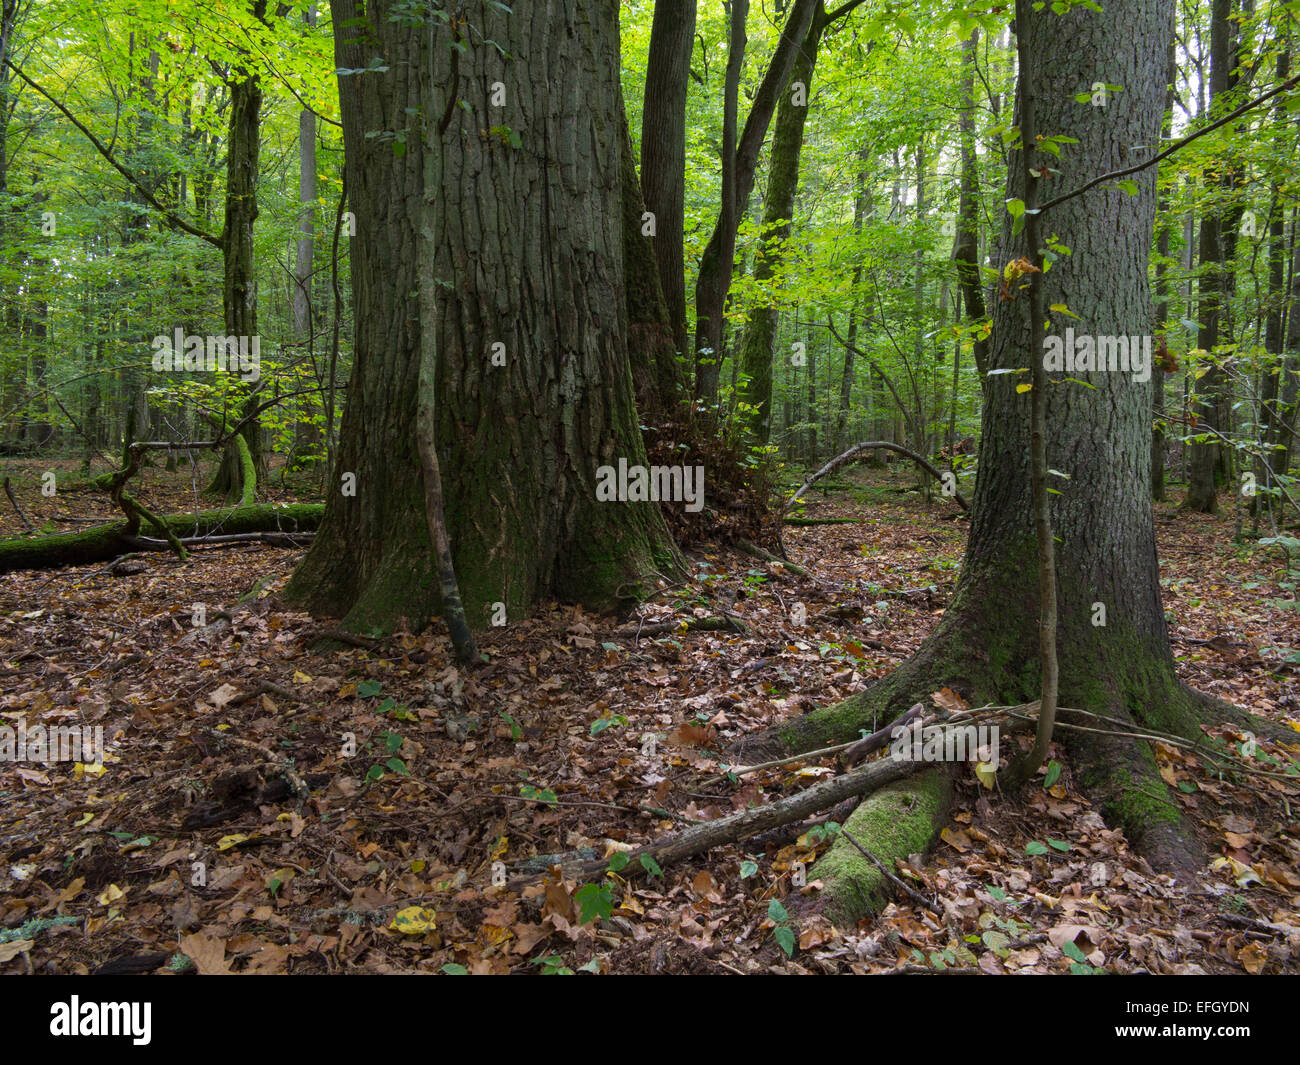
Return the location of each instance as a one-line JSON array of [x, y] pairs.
[[900, 819]]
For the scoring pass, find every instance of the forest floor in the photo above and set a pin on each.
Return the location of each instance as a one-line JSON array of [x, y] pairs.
[[184, 845]]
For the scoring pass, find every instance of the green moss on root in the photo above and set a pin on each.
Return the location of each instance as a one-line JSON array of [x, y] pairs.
[[900, 819]]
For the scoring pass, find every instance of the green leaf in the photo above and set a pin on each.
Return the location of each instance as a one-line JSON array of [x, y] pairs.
[[375, 772], [1015, 208], [453, 968], [397, 766], [1035, 848], [1071, 950], [784, 936], [1131, 187], [1058, 844], [996, 892], [650, 865], [595, 902], [368, 689], [1053, 774], [776, 911], [748, 869]]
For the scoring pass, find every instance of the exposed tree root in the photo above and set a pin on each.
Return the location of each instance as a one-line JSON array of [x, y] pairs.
[[900, 819]]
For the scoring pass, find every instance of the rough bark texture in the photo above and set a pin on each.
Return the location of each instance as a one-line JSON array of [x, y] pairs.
[[985, 646], [524, 250]]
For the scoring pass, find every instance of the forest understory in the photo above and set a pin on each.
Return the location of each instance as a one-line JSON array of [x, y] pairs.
[[388, 866]]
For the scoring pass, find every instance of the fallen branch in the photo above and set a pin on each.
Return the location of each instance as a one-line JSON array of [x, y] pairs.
[[17, 509], [857, 451], [662, 628]]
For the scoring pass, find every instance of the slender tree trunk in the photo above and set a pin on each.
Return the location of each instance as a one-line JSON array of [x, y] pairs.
[[757, 349], [1217, 234], [714, 279], [663, 149]]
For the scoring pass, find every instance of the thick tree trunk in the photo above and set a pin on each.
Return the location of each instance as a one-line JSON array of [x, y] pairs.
[[985, 647], [663, 149], [534, 389]]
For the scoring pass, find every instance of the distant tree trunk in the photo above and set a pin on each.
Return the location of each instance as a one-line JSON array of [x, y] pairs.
[[1166, 223], [534, 388], [1217, 237], [965, 250], [663, 149], [757, 348], [738, 167], [239, 286], [861, 207]]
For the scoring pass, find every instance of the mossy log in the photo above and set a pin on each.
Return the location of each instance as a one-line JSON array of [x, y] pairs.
[[104, 542]]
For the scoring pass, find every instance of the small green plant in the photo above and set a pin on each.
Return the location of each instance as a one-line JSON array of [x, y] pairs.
[[553, 965], [595, 902], [516, 733], [545, 795], [783, 933], [1079, 962], [602, 723]]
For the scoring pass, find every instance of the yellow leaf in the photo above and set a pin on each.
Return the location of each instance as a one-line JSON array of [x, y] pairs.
[[1024, 387], [84, 819], [986, 774], [300, 677], [232, 840], [418, 865], [413, 921], [111, 894], [94, 769]]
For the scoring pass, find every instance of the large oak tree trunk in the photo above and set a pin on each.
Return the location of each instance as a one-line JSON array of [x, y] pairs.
[[524, 248]]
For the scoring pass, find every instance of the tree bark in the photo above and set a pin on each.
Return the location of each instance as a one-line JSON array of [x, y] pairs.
[[714, 279], [663, 149], [529, 321], [986, 645], [757, 347]]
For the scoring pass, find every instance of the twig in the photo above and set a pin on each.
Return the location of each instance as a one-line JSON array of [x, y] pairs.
[[893, 878]]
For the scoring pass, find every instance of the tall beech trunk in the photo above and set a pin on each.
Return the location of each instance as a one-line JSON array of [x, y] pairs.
[[986, 645], [239, 287], [965, 250], [758, 345], [525, 249], [738, 167], [663, 149], [1218, 239]]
